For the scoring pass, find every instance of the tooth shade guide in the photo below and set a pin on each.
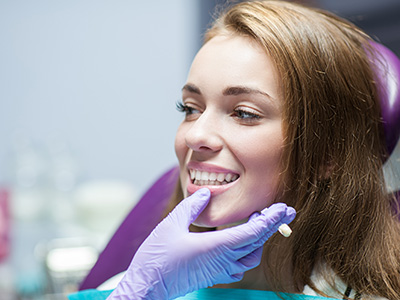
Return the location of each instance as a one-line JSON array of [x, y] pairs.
[[285, 230]]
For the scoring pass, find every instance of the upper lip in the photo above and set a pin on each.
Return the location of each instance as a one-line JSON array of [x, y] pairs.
[[208, 167]]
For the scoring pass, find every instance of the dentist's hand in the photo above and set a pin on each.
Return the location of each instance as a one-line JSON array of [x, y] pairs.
[[172, 261]]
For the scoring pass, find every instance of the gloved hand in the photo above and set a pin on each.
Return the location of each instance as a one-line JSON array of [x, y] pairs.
[[172, 261]]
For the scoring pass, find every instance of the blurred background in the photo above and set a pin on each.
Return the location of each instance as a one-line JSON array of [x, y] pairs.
[[87, 121]]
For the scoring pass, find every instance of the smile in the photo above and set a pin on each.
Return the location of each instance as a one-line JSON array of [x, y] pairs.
[[202, 178]]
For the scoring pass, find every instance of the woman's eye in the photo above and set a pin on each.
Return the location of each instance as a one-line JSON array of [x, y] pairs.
[[246, 114], [186, 109]]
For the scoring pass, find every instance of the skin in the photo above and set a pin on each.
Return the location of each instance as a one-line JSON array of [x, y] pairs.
[[233, 124]]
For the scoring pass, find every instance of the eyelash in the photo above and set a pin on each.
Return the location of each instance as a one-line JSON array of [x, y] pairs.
[[250, 115], [239, 113], [184, 108]]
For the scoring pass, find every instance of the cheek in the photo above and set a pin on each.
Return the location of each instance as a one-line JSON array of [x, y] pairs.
[[261, 159], [265, 157], [259, 152]]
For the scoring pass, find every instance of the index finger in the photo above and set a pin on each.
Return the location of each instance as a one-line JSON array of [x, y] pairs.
[[258, 229]]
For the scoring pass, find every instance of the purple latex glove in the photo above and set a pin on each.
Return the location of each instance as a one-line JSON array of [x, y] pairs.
[[172, 261]]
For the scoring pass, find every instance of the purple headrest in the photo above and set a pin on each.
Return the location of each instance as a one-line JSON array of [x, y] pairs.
[[388, 79]]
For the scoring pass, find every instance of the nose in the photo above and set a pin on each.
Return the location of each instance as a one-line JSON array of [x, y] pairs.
[[205, 134]]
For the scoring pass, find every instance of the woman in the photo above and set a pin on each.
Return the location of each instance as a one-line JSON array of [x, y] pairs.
[[280, 105]]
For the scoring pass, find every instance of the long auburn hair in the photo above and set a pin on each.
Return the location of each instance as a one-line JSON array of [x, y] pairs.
[[334, 148]]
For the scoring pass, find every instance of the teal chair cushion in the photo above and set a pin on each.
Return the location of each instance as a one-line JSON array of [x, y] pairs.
[[209, 294]]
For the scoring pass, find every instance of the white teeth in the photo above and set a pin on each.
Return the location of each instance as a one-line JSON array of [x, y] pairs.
[[207, 178], [197, 175], [228, 177], [213, 176], [221, 177]]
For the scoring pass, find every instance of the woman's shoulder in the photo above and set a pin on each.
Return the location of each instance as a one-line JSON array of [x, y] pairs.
[[328, 283]]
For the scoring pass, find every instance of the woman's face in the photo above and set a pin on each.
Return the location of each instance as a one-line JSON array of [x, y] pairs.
[[231, 138]]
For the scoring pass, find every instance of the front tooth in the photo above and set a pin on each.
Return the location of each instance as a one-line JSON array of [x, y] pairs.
[[192, 174], [213, 176], [228, 177], [198, 175], [204, 176], [220, 177]]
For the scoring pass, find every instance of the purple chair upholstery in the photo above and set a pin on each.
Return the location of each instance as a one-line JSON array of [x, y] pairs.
[[388, 78], [119, 252]]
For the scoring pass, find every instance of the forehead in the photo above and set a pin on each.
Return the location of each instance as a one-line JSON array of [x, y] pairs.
[[234, 60]]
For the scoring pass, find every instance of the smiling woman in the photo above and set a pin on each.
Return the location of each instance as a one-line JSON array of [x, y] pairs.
[[275, 96]]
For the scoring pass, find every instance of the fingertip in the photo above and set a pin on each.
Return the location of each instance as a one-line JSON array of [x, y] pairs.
[[203, 192], [198, 202], [201, 196], [279, 213], [290, 213]]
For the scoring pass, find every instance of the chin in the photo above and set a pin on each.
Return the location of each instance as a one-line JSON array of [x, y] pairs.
[[205, 220], [209, 220]]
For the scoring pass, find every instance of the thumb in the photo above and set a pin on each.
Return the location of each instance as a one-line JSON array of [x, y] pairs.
[[190, 208]]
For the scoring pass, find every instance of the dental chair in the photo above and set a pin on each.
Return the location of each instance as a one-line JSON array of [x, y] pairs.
[[138, 224]]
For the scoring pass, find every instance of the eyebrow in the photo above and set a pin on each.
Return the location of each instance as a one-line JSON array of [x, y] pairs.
[[240, 90], [229, 91], [191, 88]]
